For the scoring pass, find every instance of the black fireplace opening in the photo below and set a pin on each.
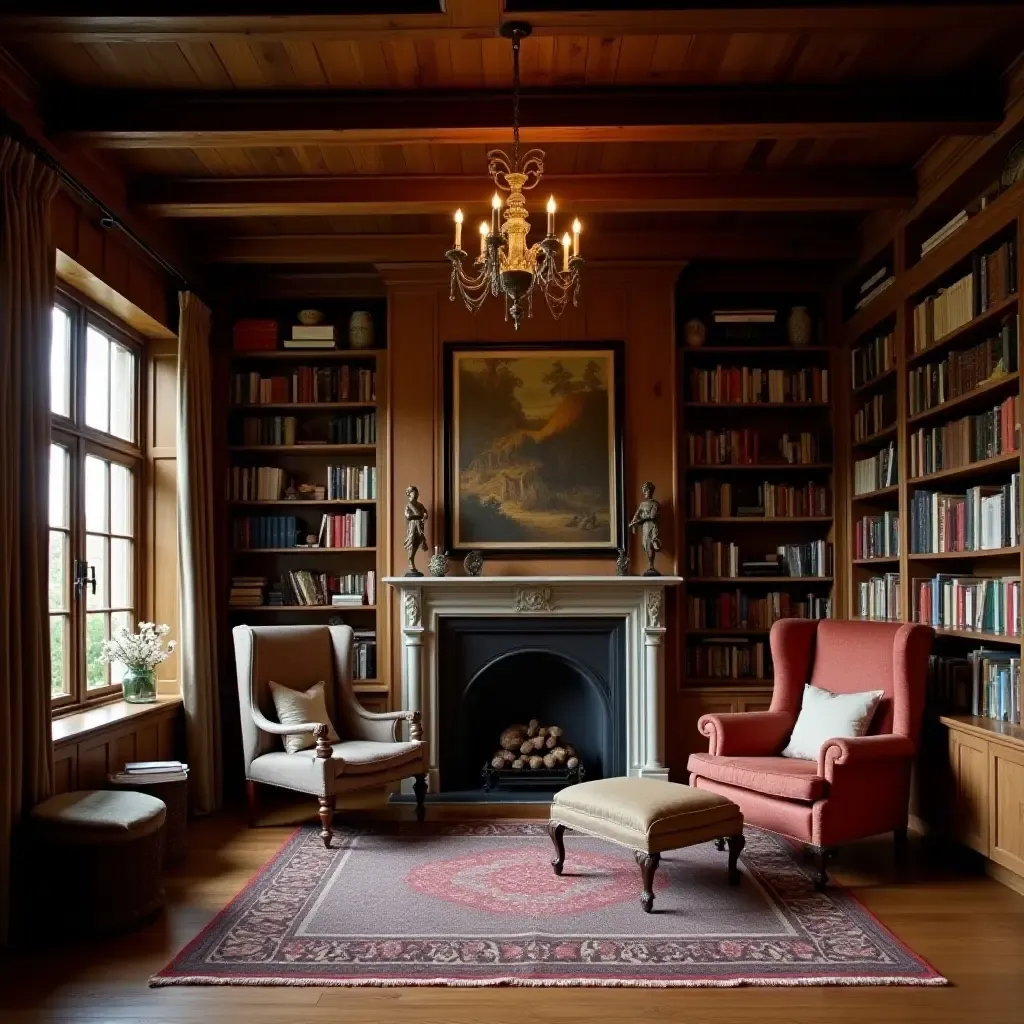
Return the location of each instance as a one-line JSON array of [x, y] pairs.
[[496, 672]]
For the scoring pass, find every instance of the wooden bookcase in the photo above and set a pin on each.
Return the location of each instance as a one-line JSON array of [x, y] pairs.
[[755, 535], [307, 463]]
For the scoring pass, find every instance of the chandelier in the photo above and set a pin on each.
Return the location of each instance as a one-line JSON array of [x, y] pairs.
[[506, 266]]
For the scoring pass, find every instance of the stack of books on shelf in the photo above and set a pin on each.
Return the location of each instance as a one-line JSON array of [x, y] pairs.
[[800, 449], [351, 483], [876, 414], [737, 610], [879, 597], [813, 558], [257, 483], [247, 591], [782, 501], [317, 589], [995, 685], [743, 448], [151, 772], [251, 532], [985, 518], [876, 472], [746, 385], [364, 654], [969, 439], [713, 558], [951, 227], [767, 565], [729, 658], [880, 281], [350, 530], [269, 430], [964, 370], [980, 603], [319, 336], [877, 536], [873, 359], [308, 385]]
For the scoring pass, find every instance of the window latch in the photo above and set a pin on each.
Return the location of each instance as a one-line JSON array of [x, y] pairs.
[[85, 576]]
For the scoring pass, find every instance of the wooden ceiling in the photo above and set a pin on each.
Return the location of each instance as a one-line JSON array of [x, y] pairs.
[[254, 131]]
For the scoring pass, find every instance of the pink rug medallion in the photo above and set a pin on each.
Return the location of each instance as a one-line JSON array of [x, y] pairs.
[[477, 903]]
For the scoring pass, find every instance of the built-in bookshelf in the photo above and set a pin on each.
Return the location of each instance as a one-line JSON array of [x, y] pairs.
[[757, 466], [304, 496]]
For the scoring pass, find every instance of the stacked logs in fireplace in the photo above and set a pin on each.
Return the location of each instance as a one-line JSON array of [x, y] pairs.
[[533, 754]]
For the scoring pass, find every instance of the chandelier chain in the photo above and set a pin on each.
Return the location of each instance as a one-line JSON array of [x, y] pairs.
[[515, 103]]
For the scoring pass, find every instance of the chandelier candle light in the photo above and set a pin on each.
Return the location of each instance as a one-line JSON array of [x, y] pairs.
[[507, 266]]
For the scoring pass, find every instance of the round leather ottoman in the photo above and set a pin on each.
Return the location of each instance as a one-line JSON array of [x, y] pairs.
[[100, 855]]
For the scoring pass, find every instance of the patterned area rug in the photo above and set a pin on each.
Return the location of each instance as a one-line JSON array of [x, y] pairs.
[[477, 903]]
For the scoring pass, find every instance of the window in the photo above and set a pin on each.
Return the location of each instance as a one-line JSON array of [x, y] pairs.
[[95, 467]]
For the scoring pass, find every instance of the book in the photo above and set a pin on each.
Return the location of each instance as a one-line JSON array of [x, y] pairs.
[[949, 228], [879, 275], [313, 332], [744, 316], [879, 288], [150, 767], [309, 343]]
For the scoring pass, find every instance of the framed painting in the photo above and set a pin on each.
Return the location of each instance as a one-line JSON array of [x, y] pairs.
[[533, 448]]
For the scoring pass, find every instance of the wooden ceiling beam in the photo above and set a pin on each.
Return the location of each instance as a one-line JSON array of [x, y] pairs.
[[825, 189], [128, 119], [750, 243], [480, 19]]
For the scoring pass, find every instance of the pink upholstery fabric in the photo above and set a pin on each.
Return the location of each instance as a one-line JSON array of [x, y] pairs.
[[858, 787], [788, 777]]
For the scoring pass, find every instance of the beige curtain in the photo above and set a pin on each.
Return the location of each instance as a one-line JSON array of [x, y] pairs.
[[196, 497], [26, 299]]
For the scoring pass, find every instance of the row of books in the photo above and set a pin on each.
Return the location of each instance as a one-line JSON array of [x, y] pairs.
[[732, 658], [811, 558], [743, 384], [351, 483], [879, 597], [985, 518], [986, 683], [252, 532], [878, 471], [876, 414], [963, 370], [743, 448], [713, 558], [880, 281], [877, 536], [774, 500], [351, 428], [257, 483], [873, 358], [148, 773], [306, 384], [247, 591], [736, 609], [317, 589], [983, 603], [364, 654], [968, 439]]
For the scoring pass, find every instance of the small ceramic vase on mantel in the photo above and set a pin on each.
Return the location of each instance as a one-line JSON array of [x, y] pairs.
[[438, 564]]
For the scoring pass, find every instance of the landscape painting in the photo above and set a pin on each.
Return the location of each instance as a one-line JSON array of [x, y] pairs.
[[533, 448]]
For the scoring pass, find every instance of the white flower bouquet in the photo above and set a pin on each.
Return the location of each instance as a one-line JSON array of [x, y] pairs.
[[143, 650]]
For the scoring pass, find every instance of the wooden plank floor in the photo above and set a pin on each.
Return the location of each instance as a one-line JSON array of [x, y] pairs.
[[969, 927]]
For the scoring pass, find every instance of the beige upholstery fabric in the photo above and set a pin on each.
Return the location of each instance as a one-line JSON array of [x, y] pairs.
[[104, 815], [354, 757], [296, 706], [646, 814]]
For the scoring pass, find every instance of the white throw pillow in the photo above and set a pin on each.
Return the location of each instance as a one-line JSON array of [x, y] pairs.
[[296, 706], [825, 715]]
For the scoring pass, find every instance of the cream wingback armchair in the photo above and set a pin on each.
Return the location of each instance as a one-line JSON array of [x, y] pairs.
[[370, 752]]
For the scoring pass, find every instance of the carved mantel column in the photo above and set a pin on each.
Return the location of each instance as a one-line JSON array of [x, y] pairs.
[[412, 648], [654, 683]]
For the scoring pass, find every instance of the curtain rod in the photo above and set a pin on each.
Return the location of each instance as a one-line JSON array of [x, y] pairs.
[[108, 219]]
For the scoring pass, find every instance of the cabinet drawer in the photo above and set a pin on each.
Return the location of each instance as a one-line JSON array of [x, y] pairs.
[[969, 761], [1006, 825]]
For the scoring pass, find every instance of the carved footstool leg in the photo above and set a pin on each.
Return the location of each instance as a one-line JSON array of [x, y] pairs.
[[556, 831], [736, 844], [648, 865]]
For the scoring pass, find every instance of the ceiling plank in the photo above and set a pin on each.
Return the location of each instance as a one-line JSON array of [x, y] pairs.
[[822, 189], [750, 243], [137, 119]]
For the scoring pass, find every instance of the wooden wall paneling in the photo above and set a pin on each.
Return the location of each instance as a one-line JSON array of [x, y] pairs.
[[94, 762], [1006, 806], [969, 760], [65, 769]]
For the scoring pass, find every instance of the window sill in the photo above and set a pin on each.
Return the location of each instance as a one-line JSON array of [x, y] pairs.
[[71, 728]]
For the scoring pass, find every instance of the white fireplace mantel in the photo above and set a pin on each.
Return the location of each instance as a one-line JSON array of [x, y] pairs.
[[638, 600]]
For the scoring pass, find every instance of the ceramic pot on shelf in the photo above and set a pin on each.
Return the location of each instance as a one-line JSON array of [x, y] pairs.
[[799, 327], [438, 564], [360, 330]]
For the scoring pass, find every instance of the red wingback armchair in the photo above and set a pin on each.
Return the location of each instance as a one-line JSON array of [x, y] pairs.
[[857, 787]]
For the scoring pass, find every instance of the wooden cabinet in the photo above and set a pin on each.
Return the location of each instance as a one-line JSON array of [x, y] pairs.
[[987, 770]]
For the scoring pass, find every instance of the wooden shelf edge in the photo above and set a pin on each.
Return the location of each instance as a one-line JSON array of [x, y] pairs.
[[980, 635], [995, 462], [741, 683], [757, 579], [301, 502], [759, 519], [306, 449], [989, 728], [881, 435], [959, 555], [295, 551], [320, 609], [1010, 302], [879, 560], [880, 493], [324, 354], [870, 385], [726, 467], [757, 405], [937, 411], [299, 406]]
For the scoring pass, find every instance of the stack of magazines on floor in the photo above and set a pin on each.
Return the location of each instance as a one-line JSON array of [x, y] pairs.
[[145, 773]]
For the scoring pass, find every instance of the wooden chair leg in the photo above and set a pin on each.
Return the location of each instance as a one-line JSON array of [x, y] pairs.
[[252, 803], [556, 831], [821, 856], [326, 818], [648, 865], [419, 788], [736, 844]]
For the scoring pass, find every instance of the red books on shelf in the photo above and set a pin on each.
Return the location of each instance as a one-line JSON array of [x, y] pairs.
[[255, 336]]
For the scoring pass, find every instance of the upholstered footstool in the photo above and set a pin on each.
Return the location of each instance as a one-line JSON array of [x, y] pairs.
[[99, 855], [648, 817]]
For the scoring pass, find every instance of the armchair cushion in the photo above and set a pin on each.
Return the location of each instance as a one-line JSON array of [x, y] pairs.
[[297, 706], [359, 757], [785, 777], [824, 714]]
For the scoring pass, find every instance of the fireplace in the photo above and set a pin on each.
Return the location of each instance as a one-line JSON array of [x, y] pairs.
[[564, 672]]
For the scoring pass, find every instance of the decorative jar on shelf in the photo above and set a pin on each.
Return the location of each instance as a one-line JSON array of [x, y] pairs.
[[798, 327], [438, 564], [139, 685], [360, 330]]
